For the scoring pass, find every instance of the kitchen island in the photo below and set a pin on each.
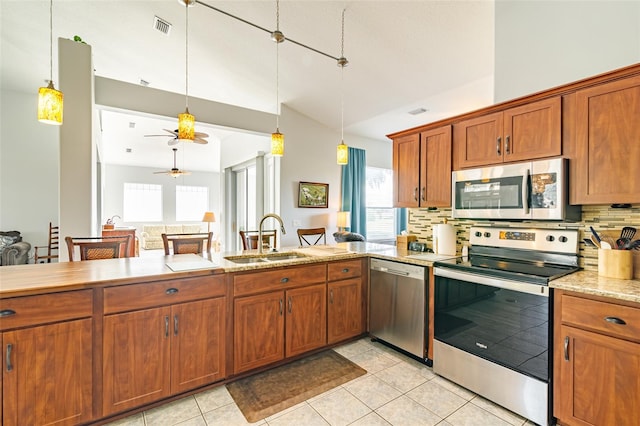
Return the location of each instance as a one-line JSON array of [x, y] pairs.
[[96, 340]]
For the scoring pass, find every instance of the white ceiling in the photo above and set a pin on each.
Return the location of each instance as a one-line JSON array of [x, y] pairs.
[[403, 55]]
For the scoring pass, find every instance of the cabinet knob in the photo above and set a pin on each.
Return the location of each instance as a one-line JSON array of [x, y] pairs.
[[284, 280], [345, 270], [7, 312], [171, 290], [615, 320]]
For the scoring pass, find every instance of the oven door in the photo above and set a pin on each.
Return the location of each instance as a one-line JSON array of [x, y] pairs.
[[502, 321], [500, 192]]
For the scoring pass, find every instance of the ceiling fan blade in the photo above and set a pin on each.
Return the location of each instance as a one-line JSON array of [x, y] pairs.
[[201, 141], [201, 135], [173, 132], [166, 172], [164, 136], [173, 141]]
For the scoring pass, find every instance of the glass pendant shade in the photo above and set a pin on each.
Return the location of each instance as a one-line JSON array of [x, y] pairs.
[[186, 126], [343, 154], [50, 102], [277, 144]]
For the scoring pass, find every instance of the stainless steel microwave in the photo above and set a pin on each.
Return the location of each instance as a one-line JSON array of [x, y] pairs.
[[534, 190]]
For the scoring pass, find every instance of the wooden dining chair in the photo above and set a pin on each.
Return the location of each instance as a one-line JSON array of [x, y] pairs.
[[313, 234], [50, 251], [94, 248], [250, 239], [187, 243]]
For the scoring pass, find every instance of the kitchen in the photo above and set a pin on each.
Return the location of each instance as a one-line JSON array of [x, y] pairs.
[[598, 211]]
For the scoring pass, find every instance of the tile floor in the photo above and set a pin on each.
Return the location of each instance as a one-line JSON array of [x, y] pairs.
[[396, 390]]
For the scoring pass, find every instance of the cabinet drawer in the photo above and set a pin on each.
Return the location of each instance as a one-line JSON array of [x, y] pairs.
[[257, 282], [602, 317], [142, 296], [344, 269], [46, 308]]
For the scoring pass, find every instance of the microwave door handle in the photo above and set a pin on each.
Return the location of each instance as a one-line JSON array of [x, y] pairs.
[[525, 192]]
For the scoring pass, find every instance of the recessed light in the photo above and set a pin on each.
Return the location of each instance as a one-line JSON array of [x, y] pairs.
[[132, 125], [143, 82], [418, 111], [129, 150]]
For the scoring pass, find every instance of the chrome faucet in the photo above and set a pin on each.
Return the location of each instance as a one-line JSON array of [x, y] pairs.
[[275, 216]]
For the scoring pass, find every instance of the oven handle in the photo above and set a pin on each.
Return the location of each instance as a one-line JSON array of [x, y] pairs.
[[525, 192], [535, 289]]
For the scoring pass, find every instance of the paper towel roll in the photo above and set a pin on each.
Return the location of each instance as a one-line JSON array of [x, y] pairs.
[[446, 240], [434, 238]]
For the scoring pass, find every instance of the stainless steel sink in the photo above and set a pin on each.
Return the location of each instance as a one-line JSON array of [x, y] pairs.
[[265, 258]]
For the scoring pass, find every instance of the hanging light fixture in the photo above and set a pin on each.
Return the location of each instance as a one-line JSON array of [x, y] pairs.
[[186, 121], [343, 149], [50, 100], [277, 138]]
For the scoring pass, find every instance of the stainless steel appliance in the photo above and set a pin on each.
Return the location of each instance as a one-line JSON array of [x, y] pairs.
[[492, 325], [398, 305], [531, 190]]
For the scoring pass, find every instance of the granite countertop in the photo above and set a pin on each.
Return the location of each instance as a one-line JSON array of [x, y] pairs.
[[589, 282]]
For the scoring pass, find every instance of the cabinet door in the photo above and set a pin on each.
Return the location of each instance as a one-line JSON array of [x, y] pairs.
[[533, 131], [47, 374], [406, 171], [306, 323], [607, 148], [478, 141], [598, 379], [258, 330], [198, 344], [435, 167], [344, 310], [136, 358]]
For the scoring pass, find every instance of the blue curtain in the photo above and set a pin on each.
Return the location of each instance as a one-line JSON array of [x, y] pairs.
[[401, 220], [354, 189]]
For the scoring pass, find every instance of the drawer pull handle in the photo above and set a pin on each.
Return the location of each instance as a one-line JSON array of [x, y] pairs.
[[9, 349], [615, 320], [7, 312], [345, 270], [166, 326], [171, 290], [566, 348], [284, 280]]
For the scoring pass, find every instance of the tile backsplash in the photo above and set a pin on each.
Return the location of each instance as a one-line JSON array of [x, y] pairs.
[[602, 218]]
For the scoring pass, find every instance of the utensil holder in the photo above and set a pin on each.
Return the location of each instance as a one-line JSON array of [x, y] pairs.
[[615, 264]]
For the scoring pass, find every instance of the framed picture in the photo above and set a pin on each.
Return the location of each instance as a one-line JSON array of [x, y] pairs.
[[312, 194]]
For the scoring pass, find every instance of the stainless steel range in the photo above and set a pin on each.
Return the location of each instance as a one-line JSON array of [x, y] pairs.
[[492, 324]]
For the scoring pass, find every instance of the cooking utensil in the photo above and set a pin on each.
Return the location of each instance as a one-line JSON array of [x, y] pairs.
[[595, 234], [634, 245], [595, 241], [621, 243], [605, 245], [588, 242], [628, 232], [609, 240]]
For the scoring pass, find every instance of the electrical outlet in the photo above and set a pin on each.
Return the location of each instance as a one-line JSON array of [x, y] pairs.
[[297, 223]]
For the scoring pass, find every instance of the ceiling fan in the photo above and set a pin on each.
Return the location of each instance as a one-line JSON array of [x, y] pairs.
[[175, 171], [199, 137]]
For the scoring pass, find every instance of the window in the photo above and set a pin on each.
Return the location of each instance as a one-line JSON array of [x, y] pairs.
[[191, 203], [380, 211], [142, 202]]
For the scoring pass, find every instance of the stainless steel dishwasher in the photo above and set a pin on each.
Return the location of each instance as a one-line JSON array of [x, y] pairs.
[[398, 305]]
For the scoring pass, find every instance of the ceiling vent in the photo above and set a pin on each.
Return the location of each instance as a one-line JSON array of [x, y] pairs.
[[161, 25]]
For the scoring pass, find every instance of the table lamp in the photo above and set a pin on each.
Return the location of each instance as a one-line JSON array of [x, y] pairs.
[[209, 217], [343, 220]]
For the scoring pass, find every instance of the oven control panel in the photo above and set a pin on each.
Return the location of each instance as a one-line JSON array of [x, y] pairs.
[[550, 240]]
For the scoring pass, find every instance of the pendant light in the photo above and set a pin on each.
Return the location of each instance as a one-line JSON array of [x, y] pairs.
[[186, 121], [50, 100], [343, 149], [277, 138]]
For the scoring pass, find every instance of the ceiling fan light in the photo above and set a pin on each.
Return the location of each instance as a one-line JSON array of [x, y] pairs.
[[277, 144], [343, 154], [186, 126], [50, 103]]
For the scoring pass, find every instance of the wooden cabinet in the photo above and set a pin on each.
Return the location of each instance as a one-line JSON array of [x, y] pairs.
[[47, 373], [422, 169], [346, 314], [607, 131], [278, 314], [597, 361], [169, 339], [520, 133]]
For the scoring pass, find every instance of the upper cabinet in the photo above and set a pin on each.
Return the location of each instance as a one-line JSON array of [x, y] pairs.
[[605, 147], [520, 133], [422, 169]]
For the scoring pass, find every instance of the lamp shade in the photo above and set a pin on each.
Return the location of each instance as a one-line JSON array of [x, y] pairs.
[[277, 144], [186, 126], [50, 103], [343, 154], [343, 220], [209, 217]]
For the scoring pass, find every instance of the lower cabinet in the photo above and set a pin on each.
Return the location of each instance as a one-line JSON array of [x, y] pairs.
[[597, 363], [150, 354], [345, 300], [47, 375], [287, 316]]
